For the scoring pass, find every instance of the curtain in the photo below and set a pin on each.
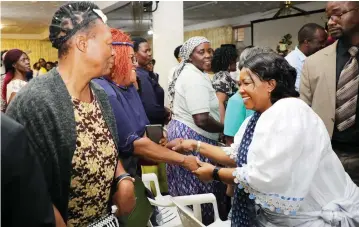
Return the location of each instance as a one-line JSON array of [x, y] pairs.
[[37, 48], [217, 36]]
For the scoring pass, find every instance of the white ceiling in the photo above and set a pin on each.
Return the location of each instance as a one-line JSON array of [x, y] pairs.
[[33, 17], [27, 17]]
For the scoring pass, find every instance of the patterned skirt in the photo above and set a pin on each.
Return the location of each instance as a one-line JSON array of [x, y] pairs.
[[183, 182]]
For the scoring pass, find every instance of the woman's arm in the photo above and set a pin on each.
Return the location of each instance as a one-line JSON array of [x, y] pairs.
[[226, 175], [222, 98], [124, 197], [144, 147], [58, 218], [214, 153], [207, 123], [199, 106], [11, 97], [205, 173]]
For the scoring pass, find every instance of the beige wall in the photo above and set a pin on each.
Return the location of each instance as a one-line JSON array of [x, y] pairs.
[[217, 36], [269, 33], [38, 48]]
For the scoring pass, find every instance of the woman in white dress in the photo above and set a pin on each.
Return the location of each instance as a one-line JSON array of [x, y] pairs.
[[17, 64], [281, 158]]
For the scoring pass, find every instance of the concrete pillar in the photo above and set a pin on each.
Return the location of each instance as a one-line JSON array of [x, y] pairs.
[[167, 35]]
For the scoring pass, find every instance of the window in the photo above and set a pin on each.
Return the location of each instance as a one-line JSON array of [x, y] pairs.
[[238, 34]]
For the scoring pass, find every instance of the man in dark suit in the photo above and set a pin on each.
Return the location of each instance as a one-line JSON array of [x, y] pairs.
[[24, 197], [329, 84]]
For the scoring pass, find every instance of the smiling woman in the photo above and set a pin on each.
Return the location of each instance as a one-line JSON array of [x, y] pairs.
[[283, 159], [262, 82], [195, 116]]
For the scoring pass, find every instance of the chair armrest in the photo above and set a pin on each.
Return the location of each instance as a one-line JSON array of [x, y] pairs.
[[161, 203]]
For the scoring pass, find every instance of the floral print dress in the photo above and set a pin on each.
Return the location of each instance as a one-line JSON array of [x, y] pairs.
[[93, 165]]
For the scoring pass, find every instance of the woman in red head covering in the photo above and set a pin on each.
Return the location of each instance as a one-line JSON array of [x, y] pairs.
[[130, 115], [17, 64]]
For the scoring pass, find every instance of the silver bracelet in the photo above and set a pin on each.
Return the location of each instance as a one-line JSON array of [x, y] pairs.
[[198, 146], [124, 178]]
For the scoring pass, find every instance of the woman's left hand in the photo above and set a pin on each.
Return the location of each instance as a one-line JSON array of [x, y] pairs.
[[204, 172], [125, 198]]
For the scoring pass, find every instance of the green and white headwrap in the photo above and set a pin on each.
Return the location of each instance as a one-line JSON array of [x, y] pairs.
[[185, 52]]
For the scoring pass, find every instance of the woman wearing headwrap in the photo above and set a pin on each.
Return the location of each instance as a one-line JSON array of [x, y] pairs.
[[17, 65], [195, 116], [129, 112], [130, 115]]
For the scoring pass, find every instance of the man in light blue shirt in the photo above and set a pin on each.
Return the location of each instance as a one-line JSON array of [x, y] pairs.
[[311, 38]]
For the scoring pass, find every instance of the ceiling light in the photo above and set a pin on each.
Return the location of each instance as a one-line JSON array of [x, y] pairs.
[[150, 32]]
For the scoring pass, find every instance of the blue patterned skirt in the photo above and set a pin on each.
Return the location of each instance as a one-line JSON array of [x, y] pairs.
[[183, 182]]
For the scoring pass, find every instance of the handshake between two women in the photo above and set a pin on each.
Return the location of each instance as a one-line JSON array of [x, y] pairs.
[[201, 169]]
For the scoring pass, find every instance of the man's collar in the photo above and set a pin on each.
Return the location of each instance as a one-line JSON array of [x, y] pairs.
[[301, 56], [142, 70]]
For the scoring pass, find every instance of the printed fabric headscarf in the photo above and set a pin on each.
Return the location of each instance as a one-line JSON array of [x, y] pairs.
[[185, 52]]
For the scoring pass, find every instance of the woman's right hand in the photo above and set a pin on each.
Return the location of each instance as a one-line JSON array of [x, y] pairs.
[[182, 146]]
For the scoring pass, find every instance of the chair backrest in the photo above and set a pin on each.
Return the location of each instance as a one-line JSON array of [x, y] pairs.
[[187, 218], [147, 178]]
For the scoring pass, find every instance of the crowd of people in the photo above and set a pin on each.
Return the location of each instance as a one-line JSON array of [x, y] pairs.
[[275, 139], [16, 72]]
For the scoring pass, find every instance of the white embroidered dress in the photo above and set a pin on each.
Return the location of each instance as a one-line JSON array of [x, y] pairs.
[[14, 86], [292, 171]]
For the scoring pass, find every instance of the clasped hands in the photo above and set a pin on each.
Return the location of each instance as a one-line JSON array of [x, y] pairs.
[[201, 169]]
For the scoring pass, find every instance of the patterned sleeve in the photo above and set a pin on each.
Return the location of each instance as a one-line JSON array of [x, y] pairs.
[[221, 84]]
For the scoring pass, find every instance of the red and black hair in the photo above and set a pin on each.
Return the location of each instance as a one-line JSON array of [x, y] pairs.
[[122, 45], [11, 57]]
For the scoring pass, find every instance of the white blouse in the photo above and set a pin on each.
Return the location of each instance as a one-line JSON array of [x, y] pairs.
[[14, 86], [194, 94], [291, 168]]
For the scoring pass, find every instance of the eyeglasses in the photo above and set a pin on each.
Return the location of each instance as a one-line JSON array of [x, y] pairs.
[[339, 16]]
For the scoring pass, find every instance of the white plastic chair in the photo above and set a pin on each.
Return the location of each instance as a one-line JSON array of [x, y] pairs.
[[176, 206], [193, 218], [168, 210]]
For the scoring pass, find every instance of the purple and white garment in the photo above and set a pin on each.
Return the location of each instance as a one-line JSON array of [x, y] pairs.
[[292, 173], [183, 182]]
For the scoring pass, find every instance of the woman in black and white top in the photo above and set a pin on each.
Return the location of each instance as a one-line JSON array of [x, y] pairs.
[[224, 62]]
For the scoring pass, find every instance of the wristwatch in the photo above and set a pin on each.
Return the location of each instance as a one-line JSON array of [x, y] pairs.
[[215, 173]]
